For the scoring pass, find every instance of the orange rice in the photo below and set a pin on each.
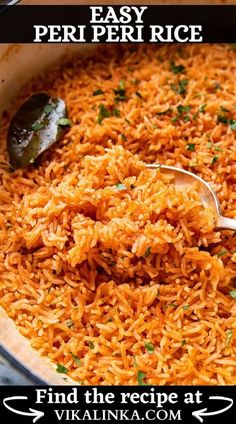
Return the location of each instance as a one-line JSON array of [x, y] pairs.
[[106, 266]]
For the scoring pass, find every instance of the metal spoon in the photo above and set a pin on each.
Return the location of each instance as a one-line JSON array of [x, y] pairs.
[[207, 194]]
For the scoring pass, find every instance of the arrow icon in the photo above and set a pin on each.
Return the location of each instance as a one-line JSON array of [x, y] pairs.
[[33, 412], [202, 412]]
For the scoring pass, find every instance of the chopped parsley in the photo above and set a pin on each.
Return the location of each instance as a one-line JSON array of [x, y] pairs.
[[91, 345], [116, 112], [64, 122], [222, 119], [181, 87], [224, 109], [182, 109], [120, 186], [232, 293], [214, 159], [184, 342], [202, 108], [123, 136], [120, 92], [232, 124], [97, 92], [191, 147], [176, 69], [229, 337], [103, 113], [61, 369], [181, 113], [140, 377], [185, 307], [149, 347], [222, 253], [37, 126], [77, 360], [147, 252], [186, 118]]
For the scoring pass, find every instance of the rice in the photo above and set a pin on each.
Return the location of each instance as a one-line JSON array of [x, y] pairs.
[[105, 265]]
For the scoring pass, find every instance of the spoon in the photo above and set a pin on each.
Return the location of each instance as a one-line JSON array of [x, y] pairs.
[[207, 194]]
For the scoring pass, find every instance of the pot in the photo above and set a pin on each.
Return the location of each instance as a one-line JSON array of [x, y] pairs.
[[18, 64]]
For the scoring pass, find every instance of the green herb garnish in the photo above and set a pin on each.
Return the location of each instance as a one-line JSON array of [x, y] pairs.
[[202, 108], [185, 307], [120, 92], [186, 118], [77, 360], [191, 147], [222, 253], [120, 186], [229, 337], [214, 159], [232, 124], [181, 87], [222, 119], [116, 112], [140, 377], [103, 113], [232, 293], [176, 69], [97, 92], [149, 347], [61, 369], [181, 109], [224, 109], [91, 345], [147, 252], [123, 136], [184, 342]]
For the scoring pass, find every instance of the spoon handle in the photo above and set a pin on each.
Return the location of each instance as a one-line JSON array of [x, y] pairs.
[[224, 223]]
